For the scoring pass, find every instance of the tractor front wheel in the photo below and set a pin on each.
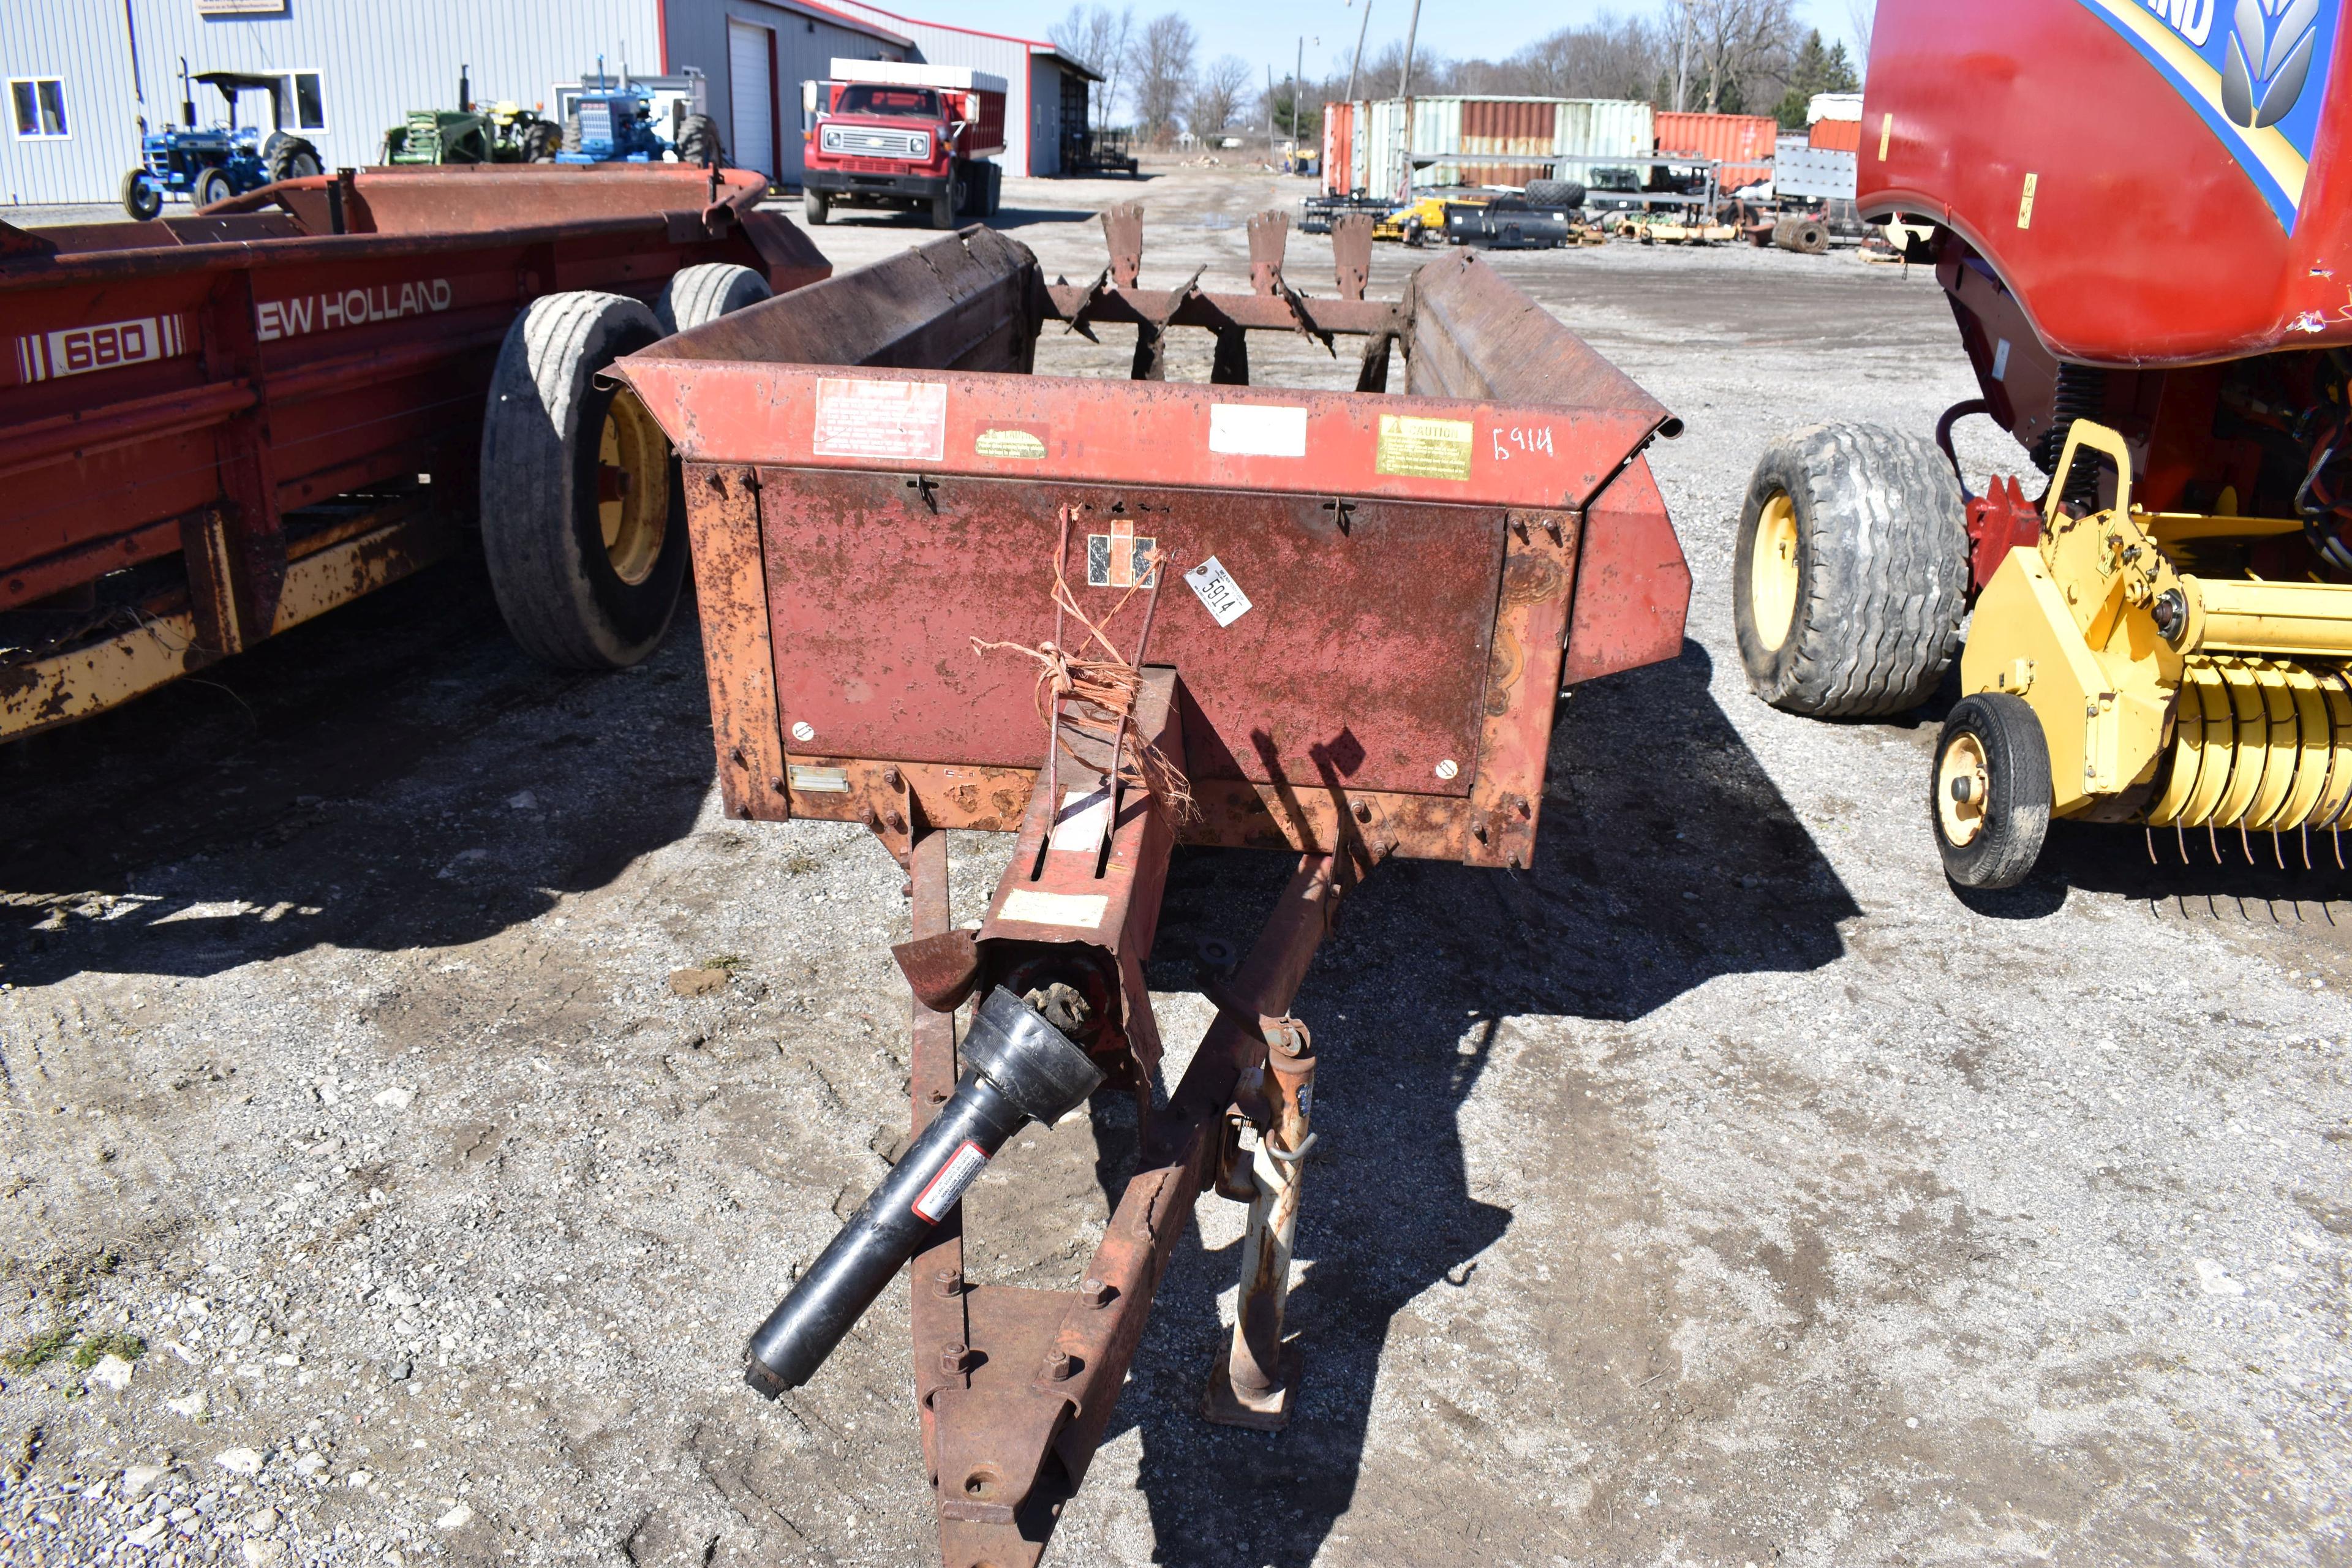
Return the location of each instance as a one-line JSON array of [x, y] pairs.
[[582, 521], [1988, 793], [143, 199], [213, 185], [1851, 571]]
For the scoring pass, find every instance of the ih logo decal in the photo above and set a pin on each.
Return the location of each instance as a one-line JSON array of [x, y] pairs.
[[2269, 59]]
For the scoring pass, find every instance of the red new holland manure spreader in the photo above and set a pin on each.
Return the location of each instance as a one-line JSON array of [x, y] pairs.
[[2136, 210], [882, 134], [938, 591]]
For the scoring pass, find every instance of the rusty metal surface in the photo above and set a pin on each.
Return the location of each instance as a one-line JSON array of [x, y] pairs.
[[722, 520], [1633, 587], [1522, 688], [1361, 661], [1216, 313], [1351, 254]]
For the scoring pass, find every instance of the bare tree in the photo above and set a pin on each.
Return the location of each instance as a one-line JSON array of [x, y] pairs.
[[1161, 62], [1216, 95], [1610, 57], [1092, 35], [1861, 15], [1742, 50]]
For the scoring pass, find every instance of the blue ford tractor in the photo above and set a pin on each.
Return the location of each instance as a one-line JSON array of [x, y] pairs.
[[614, 121], [211, 163]]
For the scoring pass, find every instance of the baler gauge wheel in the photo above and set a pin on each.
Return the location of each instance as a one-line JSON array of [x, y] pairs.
[[1772, 576], [632, 489], [1990, 789]]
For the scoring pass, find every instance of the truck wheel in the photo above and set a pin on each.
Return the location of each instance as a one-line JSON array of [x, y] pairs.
[[580, 491], [816, 206], [996, 197], [947, 204], [143, 199], [1988, 793], [1851, 571], [213, 185], [698, 294], [294, 158]]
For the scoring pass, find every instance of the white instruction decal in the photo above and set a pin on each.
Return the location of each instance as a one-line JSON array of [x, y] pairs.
[[1250, 430], [942, 1191], [1030, 907], [881, 419], [1217, 589]]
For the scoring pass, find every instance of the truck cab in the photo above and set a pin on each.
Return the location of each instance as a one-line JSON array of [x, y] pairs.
[[880, 133]]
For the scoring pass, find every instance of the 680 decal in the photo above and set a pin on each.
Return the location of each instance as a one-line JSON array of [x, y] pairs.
[[105, 345]]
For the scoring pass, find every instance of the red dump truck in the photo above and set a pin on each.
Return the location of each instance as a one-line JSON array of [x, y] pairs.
[[884, 134]]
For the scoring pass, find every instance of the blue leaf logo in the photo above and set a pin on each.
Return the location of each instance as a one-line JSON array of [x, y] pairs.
[[2268, 59]]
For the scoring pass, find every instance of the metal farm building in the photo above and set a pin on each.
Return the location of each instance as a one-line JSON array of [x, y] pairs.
[[81, 74]]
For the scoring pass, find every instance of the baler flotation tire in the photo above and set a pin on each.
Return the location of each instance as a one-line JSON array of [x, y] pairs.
[[578, 590], [816, 206], [696, 295], [294, 158], [1860, 533], [1992, 743]]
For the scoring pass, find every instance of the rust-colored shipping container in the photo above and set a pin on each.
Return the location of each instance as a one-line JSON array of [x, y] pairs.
[[1836, 135], [1742, 142], [1339, 148]]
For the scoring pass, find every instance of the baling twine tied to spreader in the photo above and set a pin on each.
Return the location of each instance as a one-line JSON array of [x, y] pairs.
[[1105, 682]]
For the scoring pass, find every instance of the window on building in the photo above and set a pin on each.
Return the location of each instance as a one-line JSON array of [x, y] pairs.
[[39, 103], [305, 102]]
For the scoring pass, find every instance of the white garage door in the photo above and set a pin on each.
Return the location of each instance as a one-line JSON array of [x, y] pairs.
[[751, 91]]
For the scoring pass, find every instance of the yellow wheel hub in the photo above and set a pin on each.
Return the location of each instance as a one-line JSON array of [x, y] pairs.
[[1773, 573], [632, 488], [1961, 781]]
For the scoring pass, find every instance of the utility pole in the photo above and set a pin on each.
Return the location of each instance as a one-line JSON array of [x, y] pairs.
[[1269, 116], [1682, 61], [1296, 72], [1404, 90], [1354, 69]]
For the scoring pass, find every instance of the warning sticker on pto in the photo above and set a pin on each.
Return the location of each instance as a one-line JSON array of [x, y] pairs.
[[941, 1192], [1217, 589], [1421, 449], [881, 419]]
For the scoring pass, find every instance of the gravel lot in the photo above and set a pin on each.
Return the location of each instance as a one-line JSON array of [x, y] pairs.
[[1723, 1190]]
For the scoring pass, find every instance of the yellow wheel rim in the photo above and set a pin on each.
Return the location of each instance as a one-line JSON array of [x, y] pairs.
[[1772, 572], [632, 488], [1961, 784]]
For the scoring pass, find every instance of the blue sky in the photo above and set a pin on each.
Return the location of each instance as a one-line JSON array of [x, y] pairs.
[[1266, 33]]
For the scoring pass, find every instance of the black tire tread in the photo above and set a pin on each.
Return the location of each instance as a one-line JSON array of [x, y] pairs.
[[2017, 765], [696, 295], [528, 476], [281, 158], [1554, 194], [1884, 524]]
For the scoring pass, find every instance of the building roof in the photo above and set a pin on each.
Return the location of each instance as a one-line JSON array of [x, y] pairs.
[[1035, 45]]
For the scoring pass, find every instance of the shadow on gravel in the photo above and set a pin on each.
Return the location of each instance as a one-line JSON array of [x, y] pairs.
[[1666, 858], [395, 773]]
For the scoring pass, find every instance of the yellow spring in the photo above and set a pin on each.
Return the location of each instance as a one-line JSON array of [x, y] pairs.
[[2262, 744]]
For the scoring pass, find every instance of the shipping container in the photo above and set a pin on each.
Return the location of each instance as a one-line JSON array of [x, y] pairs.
[[1742, 142], [1338, 147], [1836, 135], [1482, 140]]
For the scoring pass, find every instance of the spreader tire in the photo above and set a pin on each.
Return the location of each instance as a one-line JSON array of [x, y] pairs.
[[581, 521], [1851, 571], [1989, 790], [700, 294]]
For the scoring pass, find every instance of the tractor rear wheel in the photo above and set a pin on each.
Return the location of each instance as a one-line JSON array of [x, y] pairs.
[[582, 521], [539, 143], [697, 141], [294, 158], [213, 185], [1989, 791], [696, 295], [143, 199], [1851, 571]]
